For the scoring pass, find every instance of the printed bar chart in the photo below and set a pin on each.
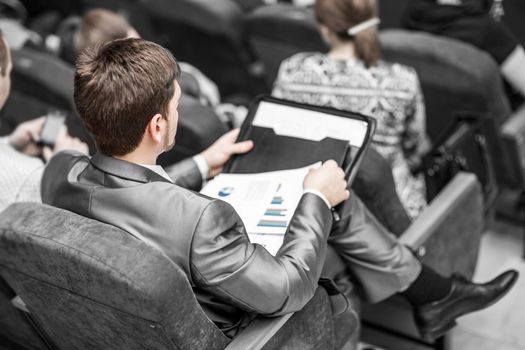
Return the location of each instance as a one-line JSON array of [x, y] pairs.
[[275, 212], [270, 213], [277, 200], [273, 223]]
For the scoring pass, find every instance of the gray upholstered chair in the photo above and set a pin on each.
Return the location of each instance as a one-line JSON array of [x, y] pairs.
[[85, 284], [446, 236], [209, 35]]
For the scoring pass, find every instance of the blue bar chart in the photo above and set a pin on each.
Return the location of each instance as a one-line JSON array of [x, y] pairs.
[[275, 214]]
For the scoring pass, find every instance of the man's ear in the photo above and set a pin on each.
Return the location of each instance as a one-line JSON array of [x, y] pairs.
[[155, 128]]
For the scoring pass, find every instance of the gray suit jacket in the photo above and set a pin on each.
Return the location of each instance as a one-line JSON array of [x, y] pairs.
[[204, 236]]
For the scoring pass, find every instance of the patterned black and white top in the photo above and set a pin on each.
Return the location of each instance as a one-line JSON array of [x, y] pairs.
[[390, 93]]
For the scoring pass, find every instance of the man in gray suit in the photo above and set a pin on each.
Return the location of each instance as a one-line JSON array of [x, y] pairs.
[[127, 95]]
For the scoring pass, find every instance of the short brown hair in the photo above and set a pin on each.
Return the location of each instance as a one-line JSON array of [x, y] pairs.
[[340, 15], [5, 55], [119, 87], [99, 26]]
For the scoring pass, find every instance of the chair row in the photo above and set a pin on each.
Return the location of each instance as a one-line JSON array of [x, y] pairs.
[[454, 76]]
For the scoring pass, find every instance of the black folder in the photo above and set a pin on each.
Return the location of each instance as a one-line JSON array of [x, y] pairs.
[[288, 148]]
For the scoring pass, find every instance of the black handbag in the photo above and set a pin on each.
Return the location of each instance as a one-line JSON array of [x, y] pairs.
[[463, 147]]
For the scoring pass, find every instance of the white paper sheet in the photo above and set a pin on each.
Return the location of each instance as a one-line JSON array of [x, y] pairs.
[[308, 124], [265, 202]]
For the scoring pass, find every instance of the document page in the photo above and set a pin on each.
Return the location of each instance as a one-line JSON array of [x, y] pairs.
[[308, 124], [265, 202]]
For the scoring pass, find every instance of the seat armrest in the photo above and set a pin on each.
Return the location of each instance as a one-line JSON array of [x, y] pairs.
[[258, 333], [447, 234], [313, 327], [446, 202], [513, 134]]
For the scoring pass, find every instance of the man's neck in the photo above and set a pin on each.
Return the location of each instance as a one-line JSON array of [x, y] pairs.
[[138, 157]]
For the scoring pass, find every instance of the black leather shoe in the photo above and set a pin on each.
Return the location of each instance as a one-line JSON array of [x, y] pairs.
[[435, 318]]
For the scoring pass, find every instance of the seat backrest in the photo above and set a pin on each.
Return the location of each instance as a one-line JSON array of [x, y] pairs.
[[391, 12], [91, 285], [210, 36], [279, 31], [65, 7], [454, 77], [42, 75]]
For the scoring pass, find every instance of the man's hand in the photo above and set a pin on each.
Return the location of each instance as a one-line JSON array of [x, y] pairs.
[[218, 154], [64, 142], [329, 179], [26, 135]]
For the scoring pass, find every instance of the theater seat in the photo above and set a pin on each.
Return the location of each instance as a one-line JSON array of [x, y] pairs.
[[86, 284], [454, 77], [446, 236], [279, 31], [390, 12], [40, 74], [209, 35]]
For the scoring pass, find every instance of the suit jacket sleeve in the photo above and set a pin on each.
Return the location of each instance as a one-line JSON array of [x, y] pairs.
[[186, 174], [224, 262]]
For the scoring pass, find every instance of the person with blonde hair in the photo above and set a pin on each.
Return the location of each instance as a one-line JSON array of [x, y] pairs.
[[99, 26], [353, 76]]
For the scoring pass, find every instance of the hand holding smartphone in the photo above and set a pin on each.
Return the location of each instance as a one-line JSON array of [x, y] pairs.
[[53, 123]]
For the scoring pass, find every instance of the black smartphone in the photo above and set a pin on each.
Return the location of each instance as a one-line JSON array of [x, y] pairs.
[[53, 123]]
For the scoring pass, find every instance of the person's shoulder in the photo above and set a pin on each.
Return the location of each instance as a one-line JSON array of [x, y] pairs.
[[64, 159], [183, 195], [403, 76], [69, 155], [213, 205], [304, 58], [197, 206], [398, 69]]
